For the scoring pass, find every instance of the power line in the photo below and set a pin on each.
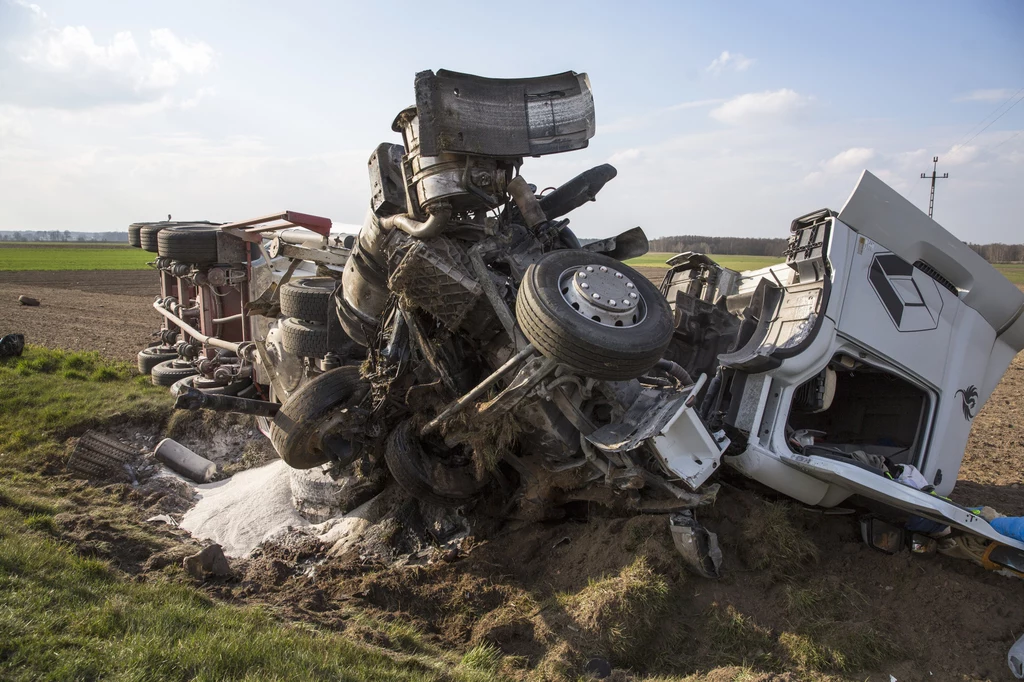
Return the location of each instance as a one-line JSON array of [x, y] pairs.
[[1004, 141], [934, 176], [994, 111], [991, 122]]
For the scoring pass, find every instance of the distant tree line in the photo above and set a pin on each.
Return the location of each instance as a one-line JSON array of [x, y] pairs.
[[723, 246], [61, 236], [758, 246], [1000, 253]]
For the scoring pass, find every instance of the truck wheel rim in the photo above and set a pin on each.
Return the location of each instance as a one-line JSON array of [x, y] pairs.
[[603, 295]]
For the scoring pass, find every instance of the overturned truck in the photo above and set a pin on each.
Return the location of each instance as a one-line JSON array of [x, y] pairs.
[[464, 342]]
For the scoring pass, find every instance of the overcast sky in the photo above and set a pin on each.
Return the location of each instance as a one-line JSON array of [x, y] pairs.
[[722, 118]]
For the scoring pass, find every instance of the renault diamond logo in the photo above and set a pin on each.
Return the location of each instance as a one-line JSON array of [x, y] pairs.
[[911, 297]]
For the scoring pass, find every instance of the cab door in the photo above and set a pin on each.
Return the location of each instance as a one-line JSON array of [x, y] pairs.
[[887, 491]]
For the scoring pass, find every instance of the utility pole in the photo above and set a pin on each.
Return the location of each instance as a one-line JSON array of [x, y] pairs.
[[934, 176]]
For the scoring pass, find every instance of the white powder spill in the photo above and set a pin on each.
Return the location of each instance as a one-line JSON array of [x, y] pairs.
[[242, 511], [344, 532]]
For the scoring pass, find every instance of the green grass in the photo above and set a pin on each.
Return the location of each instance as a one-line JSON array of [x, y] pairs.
[[73, 258], [68, 617], [65, 615], [68, 245], [1012, 271], [46, 395], [657, 260]]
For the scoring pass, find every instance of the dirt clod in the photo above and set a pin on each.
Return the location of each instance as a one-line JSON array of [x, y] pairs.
[[209, 561]]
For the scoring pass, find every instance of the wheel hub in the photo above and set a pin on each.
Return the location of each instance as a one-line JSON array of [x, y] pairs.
[[602, 294]]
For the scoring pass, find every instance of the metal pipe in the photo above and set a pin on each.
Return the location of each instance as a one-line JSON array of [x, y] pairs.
[[193, 332], [527, 202], [194, 399], [229, 318], [184, 461], [439, 216], [499, 305], [218, 310], [477, 391]]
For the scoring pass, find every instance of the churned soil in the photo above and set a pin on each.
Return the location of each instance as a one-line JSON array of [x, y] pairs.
[[800, 592], [109, 311]]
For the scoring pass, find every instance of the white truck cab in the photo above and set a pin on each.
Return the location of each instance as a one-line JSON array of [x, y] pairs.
[[874, 345]]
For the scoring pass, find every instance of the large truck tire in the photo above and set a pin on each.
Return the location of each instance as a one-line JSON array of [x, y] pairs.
[[296, 431], [133, 234], [170, 372], [446, 478], [153, 356], [578, 328], [195, 244], [148, 236], [309, 298]]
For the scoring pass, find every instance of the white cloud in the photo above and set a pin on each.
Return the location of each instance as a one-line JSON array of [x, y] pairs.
[[773, 105], [854, 158], [179, 57], [14, 125], [625, 155], [645, 119], [729, 60], [68, 68], [958, 156], [201, 94], [992, 95], [848, 161]]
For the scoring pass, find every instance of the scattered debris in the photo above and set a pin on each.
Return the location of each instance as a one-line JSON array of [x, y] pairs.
[[1015, 658], [209, 561], [184, 461], [698, 545], [598, 668], [99, 457], [12, 345], [28, 300]]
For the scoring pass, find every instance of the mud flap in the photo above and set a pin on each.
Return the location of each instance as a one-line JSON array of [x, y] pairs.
[[889, 492]]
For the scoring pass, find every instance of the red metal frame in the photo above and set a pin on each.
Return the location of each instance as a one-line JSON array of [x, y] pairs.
[[251, 230]]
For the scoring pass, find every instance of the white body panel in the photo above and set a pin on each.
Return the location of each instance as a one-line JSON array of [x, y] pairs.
[[895, 317]]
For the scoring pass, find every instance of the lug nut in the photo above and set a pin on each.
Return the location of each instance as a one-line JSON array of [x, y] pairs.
[[596, 296], [585, 285], [632, 294], [611, 302], [604, 269], [619, 275], [629, 285], [590, 268], [582, 274]]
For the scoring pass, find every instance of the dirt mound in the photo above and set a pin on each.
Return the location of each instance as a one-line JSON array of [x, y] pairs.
[[799, 592]]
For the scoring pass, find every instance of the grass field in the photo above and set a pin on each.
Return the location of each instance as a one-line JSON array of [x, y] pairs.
[[70, 256], [1013, 271], [657, 259], [67, 615], [18, 258], [68, 245]]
